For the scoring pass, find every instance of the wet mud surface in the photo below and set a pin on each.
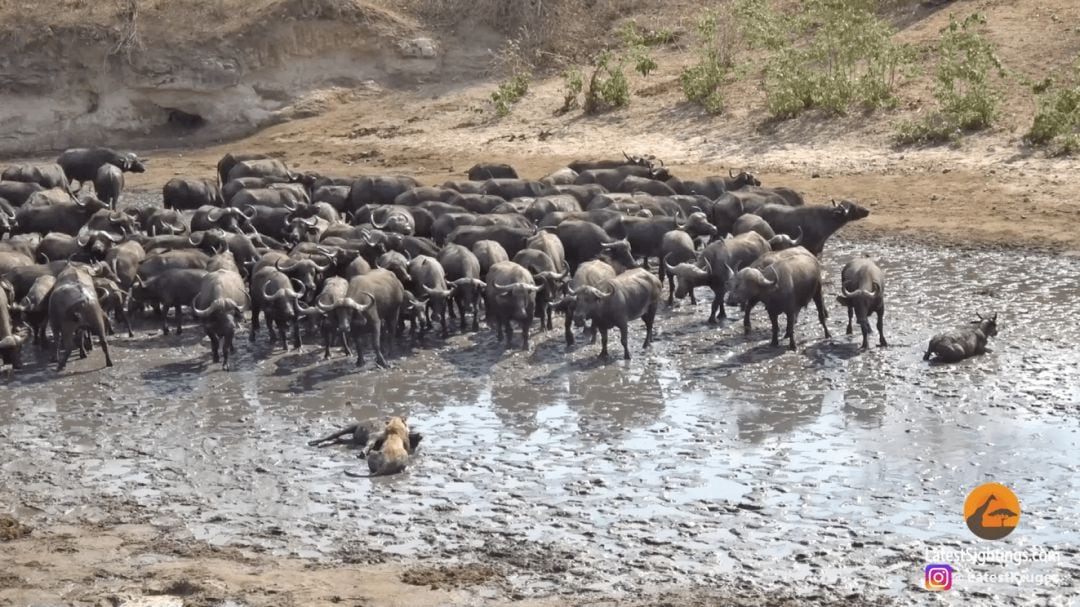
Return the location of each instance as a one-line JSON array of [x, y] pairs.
[[714, 460]]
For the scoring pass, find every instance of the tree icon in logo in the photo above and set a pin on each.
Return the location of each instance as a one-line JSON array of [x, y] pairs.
[[992, 511]]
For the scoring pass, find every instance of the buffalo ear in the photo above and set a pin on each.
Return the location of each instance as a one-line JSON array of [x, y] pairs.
[[843, 300]]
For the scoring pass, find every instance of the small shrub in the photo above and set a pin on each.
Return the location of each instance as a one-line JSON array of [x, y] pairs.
[[608, 87], [509, 93], [832, 55], [701, 83], [637, 47], [1057, 119], [573, 84], [964, 88]]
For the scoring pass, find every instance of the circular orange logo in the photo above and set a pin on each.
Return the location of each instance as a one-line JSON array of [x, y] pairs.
[[992, 511]]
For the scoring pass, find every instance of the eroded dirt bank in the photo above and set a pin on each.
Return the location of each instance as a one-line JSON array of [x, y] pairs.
[[713, 462]]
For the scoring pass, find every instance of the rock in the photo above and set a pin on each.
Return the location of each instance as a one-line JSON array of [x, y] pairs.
[[418, 48]]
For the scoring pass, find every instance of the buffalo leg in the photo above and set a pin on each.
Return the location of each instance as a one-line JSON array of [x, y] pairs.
[[104, 346], [376, 331], [603, 343], [328, 334], [792, 318], [648, 318], [671, 287], [624, 339], [296, 333], [717, 305], [775, 320], [359, 346], [179, 318], [126, 320], [822, 313], [850, 315], [525, 325], [254, 320], [746, 319], [693, 300], [214, 343], [568, 327], [345, 343], [881, 327], [476, 316]]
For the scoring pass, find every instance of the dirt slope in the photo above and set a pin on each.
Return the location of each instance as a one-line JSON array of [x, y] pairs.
[[988, 189]]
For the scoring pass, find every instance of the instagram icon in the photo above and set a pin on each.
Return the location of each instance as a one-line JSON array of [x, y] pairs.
[[938, 577]]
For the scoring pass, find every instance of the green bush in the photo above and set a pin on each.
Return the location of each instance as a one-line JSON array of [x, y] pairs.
[[1057, 119], [965, 86], [573, 84], [831, 55], [608, 87], [509, 93], [702, 82], [637, 47]]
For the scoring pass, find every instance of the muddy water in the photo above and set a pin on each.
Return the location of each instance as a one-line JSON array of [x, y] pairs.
[[712, 459]]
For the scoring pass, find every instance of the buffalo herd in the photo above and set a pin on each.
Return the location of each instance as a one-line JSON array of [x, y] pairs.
[[361, 259]]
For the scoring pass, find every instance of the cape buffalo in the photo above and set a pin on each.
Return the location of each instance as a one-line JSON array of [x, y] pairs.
[[10, 342], [189, 194], [510, 296], [46, 175], [490, 170], [221, 300], [379, 297], [109, 184], [228, 161], [815, 223], [82, 164], [546, 274], [73, 308], [964, 342], [463, 272], [631, 295], [863, 285], [785, 282], [428, 280], [583, 241]]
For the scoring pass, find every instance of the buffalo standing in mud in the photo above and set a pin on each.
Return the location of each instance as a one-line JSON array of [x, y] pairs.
[[631, 295], [863, 285], [511, 296], [74, 308], [785, 282]]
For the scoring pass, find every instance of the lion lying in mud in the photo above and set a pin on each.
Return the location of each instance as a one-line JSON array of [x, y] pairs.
[[390, 452]]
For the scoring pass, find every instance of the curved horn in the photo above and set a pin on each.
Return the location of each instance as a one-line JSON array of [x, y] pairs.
[[115, 239], [172, 227], [323, 267], [798, 239], [310, 222], [386, 220], [731, 173], [363, 307], [214, 214], [254, 211], [191, 238], [276, 295], [300, 287], [437, 292], [607, 294], [292, 264], [116, 216], [83, 238], [309, 311], [207, 311]]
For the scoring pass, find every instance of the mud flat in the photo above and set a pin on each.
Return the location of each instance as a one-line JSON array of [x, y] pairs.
[[714, 464]]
